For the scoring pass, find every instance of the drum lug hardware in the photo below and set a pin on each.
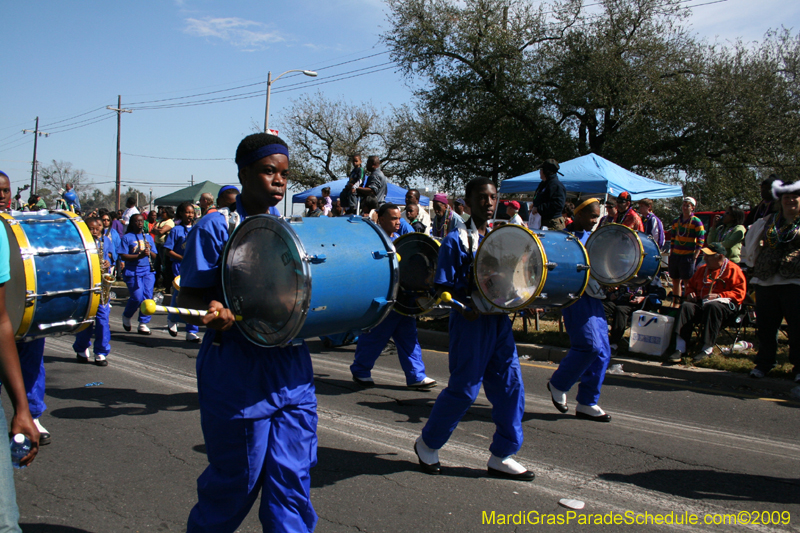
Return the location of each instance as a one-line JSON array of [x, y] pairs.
[[583, 267], [542, 296], [571, 238], [320, 308], [69, 323], [316, 259], [551, 265], [380, 254], [573, 297]]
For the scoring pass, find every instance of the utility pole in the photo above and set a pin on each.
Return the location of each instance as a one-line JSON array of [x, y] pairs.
[[119, 112], [34, 166], [192, 180]]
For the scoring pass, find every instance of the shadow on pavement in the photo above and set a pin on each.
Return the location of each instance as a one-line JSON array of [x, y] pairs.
[[712, 485], [335, 465], [120, 402], [50, 528]]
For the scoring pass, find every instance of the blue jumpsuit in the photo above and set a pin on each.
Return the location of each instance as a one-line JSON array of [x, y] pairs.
[[137, 275], [31, 359], [100, 328], [481, 352], [589, 353], [258, 412], [176, 241], [403, 329]]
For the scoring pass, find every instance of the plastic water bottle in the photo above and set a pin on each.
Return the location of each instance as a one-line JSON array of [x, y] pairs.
[[739, 347], [158, 298], [742, 346], [20, 447]]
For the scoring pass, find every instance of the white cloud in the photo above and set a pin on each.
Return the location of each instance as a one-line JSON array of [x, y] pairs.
[[241, 33]]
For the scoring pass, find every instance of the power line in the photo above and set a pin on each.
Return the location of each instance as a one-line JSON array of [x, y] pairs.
[[73, 117], [94, 120], [182, 158]]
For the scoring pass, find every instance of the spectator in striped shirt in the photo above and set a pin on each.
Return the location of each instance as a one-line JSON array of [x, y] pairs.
[[687, 236]]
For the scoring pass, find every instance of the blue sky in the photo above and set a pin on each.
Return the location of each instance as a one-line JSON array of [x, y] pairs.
[[61, 59]]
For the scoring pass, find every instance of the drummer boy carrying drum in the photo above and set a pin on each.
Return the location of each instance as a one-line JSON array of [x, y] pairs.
[[482, 351], [258, 409]]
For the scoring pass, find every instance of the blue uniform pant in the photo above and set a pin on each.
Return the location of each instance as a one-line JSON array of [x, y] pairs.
[[101, 331], [9, 512], [259, 420], [403, 329], [190, 328], [140, 287], [482, 351], [589, 352], [31, 359]]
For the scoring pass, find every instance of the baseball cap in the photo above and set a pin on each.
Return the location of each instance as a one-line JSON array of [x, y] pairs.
[[514, 204], [462, 202], [714, 248], [691, 201], [625, 196]]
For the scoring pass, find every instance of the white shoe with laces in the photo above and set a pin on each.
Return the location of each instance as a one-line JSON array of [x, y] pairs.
[[143, 329]]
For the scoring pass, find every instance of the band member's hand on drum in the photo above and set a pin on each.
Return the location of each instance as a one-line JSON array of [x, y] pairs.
[[219, 317]]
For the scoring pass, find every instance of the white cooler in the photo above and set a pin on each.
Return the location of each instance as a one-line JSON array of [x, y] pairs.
[[650, 333]]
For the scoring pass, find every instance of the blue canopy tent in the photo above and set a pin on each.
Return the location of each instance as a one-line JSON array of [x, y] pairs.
[[592, 175], [394, 194]]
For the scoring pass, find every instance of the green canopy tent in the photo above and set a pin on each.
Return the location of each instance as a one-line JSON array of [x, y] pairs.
[[189, 194]]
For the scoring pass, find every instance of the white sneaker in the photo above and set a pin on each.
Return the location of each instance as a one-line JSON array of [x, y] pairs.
[[756, 373], [144, 330], [192, 337], [44, 435], [172, 327], [426, 383], [509, 468], [591, 412], [100, 360], [126, 323], [83, 356]]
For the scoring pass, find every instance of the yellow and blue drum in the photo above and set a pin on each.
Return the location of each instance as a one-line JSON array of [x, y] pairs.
[[55, 274]]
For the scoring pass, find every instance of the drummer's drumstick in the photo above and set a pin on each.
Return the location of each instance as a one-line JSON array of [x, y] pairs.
[[447, 298], [149, 307]]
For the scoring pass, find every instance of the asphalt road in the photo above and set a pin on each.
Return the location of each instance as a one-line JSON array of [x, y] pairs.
[[126, 454]]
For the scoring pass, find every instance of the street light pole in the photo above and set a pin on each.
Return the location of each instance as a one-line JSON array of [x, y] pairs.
[[270, 81]]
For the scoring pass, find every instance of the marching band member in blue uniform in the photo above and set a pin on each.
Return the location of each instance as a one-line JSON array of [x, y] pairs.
[[137, 251], [31, 354], [175, 246], [403, 329], [585, 322], [100, 328], [258, 408], [482, 350]]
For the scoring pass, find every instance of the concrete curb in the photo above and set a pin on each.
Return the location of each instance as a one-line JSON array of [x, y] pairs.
[[437, 340]]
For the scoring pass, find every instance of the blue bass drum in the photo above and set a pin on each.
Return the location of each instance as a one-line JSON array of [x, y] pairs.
[[567, 273], [516, 268], [55, 274], [622, 256], [308, 277]]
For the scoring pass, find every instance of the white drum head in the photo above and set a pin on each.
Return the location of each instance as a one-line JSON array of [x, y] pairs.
[[266, 280], [509, 267], [615, 254]]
